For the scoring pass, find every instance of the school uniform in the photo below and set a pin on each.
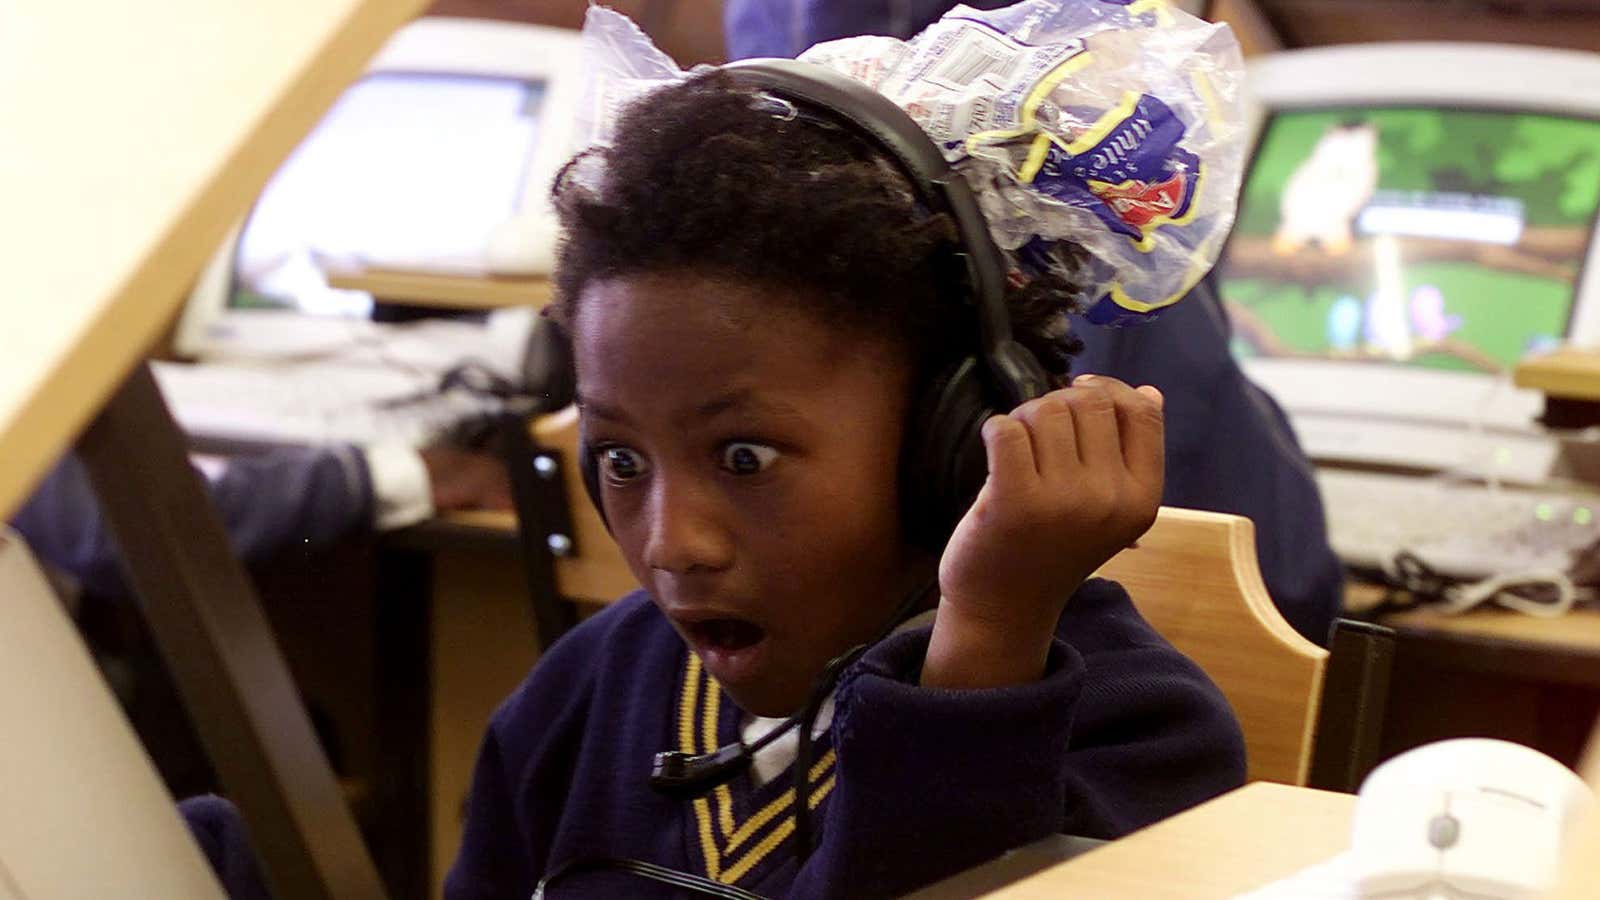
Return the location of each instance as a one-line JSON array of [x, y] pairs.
[[220, 832], [909, 784]]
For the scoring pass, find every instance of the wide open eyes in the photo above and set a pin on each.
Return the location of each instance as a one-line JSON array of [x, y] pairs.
[[744, 458], [621, 464]]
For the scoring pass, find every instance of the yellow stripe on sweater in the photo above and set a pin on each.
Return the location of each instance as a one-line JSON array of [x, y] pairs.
[[770, 842], [776, 807]]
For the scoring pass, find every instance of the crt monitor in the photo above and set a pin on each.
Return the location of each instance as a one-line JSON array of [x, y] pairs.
[[1415, 219], [448, 144]]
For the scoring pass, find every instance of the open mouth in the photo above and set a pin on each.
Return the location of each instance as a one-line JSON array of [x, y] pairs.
[[726, 635], [735, 651]]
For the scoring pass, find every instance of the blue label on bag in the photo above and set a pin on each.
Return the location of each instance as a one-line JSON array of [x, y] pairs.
[[1128, 170]]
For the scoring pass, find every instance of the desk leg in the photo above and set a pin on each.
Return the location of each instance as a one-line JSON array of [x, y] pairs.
[[405, 708], [208, 624], [481, 652]]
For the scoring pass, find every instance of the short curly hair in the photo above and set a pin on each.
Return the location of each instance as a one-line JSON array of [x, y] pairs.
[[709, 177]]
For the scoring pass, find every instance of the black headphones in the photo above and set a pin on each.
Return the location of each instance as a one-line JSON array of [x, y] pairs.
[[943, 465]]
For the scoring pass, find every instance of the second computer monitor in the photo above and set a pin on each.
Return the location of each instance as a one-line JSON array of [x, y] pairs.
[[1414, 221]]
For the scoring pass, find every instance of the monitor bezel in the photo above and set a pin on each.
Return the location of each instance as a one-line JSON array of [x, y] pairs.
[[526, 198], [438, 45], [1395, 414]]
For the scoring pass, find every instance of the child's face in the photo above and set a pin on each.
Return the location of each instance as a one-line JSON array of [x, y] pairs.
[[748, 456]]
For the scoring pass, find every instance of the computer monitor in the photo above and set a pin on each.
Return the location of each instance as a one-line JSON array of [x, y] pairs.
[[1414, 220], [453, 135]]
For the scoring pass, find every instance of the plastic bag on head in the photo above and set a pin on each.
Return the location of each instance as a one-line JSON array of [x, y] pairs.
[[1103, 138]]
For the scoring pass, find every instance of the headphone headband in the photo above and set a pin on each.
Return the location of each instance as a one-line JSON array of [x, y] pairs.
[[891, 129]]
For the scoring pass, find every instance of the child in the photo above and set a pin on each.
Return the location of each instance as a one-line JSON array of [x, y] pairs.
[[752, 297]]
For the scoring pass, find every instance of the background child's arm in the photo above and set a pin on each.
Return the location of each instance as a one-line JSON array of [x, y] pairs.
[[1074, 477]]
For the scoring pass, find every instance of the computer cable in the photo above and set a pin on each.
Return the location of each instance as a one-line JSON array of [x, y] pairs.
[[801, 771], [1546, 593], [694, 883], [1412, 583]]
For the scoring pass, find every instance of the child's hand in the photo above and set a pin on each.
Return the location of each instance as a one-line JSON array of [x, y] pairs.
[[466, 479], [1074, 477]]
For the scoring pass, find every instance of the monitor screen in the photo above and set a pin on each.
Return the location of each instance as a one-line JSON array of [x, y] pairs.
[[1446, 239], [410, 170]]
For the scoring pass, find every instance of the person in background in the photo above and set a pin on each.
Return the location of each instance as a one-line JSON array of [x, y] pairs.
[[1230, 447], [270, 501], [308, 498]]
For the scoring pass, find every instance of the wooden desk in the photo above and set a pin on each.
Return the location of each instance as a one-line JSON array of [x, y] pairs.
[[1570, 380], [480, 642], [1242, 840], [1496, 641], [447, 291], [1489, 672], [1569, 373]]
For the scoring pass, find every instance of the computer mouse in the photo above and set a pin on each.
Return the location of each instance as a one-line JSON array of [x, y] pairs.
[[524, 244], [1470, 817]]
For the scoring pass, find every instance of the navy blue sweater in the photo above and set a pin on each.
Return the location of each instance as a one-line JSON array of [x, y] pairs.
[[911, 784]]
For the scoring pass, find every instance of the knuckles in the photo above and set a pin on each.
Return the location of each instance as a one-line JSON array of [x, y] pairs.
[[1094, 401], [1146, 414]]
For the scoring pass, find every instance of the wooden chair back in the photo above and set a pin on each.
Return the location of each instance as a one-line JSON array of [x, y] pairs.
[[1195, 578]]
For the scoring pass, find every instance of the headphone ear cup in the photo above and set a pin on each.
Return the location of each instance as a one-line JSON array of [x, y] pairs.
[[547, 365], [945, 463]]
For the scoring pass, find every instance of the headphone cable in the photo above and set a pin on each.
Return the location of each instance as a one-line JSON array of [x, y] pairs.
[[819, 693], [650, 871]]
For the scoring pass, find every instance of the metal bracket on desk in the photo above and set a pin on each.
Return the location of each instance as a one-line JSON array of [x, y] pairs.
[[216, 642], [544, 525], [1355, 693]]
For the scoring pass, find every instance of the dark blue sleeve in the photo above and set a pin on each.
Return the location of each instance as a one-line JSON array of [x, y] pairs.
[[1230, 449], [267, 502], [220, 831], [493, 860], [1122, 730], [787, 27]]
